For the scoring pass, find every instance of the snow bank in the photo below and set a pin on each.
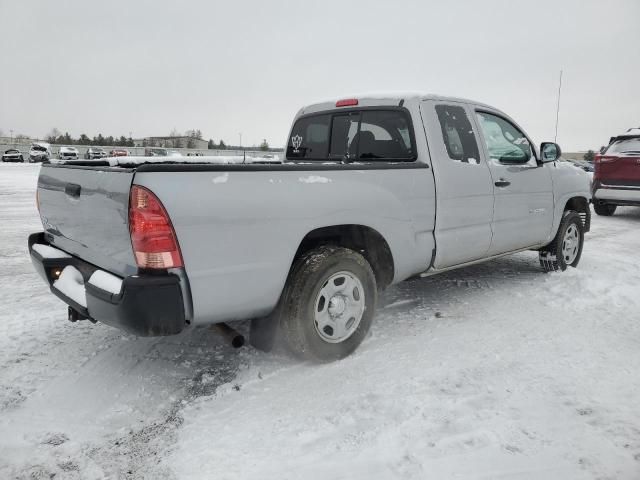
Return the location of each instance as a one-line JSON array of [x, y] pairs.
[[106, 281], [216, 160], [46, 251], [71, 284]]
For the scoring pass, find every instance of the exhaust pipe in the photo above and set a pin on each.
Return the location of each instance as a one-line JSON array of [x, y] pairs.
[[232, 335]]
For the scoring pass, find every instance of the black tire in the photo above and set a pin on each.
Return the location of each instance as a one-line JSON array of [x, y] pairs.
[[551, 256], [296, 311], [604, 209]]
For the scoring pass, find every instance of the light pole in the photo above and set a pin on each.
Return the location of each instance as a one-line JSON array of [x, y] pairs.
[[240, 139]]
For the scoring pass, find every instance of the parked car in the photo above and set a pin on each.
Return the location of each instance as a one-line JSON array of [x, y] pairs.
[[374, 190], [40, 152], [173, 153], [119, 152], [12, 155], [68, 153], [95, 152], [583, 164], [155, 152], [616, 180]]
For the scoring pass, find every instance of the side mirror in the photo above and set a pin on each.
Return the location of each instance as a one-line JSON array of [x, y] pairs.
[[550, 151]]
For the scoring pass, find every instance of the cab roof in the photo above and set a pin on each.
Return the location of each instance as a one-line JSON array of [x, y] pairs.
[[391, 98]]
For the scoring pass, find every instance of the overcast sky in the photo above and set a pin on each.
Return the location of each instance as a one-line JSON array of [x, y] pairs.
[[226, 67]]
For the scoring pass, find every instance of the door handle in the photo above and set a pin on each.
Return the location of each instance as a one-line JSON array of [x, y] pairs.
[[502, 183], [73, 190]]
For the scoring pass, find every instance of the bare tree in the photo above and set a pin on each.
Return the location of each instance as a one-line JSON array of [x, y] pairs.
[[53, 135]]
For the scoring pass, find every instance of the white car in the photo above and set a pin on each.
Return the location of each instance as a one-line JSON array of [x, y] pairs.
[[68, 153], [40, 152]]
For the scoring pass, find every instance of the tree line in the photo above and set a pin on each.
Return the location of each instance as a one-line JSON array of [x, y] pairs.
[[55, 137], [174, 140]]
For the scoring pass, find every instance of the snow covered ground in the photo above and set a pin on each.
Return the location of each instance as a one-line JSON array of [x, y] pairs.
[[494, 371]]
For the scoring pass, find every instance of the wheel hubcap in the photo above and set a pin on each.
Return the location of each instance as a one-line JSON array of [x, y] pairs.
[[339, 307], [570, 244]]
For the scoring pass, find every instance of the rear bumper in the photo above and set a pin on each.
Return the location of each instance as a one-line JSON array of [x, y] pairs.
[[145, 305], [619, 196]]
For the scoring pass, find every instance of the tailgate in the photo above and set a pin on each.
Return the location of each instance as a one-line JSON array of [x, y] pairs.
[[622, 170], [84, 211]]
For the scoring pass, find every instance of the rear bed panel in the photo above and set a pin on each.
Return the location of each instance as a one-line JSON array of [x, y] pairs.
[[238, 230], [84, 212]]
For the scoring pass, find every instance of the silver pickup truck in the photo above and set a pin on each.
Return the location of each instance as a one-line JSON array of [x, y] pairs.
[[373, 190]]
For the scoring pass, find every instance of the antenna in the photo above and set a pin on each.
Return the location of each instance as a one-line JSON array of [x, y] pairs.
[[555, 139]]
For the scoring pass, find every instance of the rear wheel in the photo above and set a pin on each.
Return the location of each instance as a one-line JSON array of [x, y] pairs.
[[604, 209], [328, 304], [566, 248]]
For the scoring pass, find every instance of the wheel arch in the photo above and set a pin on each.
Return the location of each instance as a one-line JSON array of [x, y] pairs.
[[580, 205], [363, 239]]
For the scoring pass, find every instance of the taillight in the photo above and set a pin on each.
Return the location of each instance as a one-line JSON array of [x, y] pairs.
[[38, 199], [601, 159], [347, 102], [152, 236]]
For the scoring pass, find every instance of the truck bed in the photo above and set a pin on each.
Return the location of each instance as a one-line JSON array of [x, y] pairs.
[[238, 225]]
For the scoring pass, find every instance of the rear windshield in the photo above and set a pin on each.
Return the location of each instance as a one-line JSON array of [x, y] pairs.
[[627, 145], [353, 135]]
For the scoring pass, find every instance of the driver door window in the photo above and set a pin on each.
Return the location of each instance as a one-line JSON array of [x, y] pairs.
[[505, 142]]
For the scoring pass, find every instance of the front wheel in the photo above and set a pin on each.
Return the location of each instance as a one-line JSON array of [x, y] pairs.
[[328, 304], [604, 209], [566, 248]]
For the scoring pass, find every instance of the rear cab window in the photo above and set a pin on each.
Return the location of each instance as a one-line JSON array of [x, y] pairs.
[[370, 133]]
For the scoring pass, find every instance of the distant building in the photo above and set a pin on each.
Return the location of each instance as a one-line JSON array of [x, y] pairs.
[[172, 142], [575, 155]]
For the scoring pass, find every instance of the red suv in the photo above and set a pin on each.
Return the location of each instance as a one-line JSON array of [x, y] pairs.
[[616, 180]]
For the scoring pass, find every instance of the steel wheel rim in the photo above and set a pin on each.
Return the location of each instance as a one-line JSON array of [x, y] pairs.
[[339, 307], [570, 244]]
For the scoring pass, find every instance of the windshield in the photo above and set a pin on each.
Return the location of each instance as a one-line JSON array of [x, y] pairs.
[[38, 148], [625, 145]]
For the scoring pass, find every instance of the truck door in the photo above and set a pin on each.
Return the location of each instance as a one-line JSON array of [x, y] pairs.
[[464, 188], [523, 208]]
